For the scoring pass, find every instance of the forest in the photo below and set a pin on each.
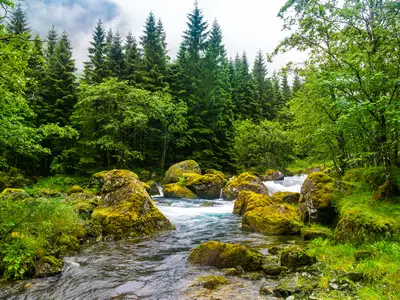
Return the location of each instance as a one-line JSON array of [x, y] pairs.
[[133, 107]]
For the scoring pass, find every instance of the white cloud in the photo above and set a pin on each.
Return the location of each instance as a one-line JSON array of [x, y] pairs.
[[247, 25]]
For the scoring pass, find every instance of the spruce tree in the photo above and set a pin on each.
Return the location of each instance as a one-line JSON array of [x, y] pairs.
[[131, 59], [262, 84], [285, 88], [278, 101], [296, 83], [154, 55], [19, 21], [115, 57], [52, 39], [95, 68]]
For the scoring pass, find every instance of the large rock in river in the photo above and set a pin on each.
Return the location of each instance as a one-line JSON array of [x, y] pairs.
[[245, 181], [175, 190], [248, 200], [126, 208], [207, 186], [176, 171], [316, 198], [224, 255]]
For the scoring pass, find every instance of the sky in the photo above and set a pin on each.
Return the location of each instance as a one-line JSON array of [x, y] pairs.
[[247, 25]]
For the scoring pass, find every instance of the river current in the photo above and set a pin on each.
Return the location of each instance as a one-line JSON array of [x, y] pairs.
[[156, 267]]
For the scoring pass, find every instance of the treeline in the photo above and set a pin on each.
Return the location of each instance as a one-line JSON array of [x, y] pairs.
[[134, 107]]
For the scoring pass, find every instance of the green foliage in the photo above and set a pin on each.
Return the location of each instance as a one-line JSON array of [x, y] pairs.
[[57, 184], [31, 229], [262, 146]]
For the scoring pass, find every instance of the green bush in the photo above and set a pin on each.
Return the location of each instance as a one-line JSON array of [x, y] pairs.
[[54, 185]]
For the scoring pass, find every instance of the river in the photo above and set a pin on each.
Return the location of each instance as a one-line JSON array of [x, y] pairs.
[[152, 268]]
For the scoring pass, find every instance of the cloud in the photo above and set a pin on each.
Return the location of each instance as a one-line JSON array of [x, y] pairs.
[[247, 25]]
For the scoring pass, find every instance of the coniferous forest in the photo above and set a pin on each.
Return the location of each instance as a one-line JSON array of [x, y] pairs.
[[81, 151]]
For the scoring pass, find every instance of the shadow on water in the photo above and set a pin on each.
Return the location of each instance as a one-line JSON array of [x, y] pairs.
[[148, 268]]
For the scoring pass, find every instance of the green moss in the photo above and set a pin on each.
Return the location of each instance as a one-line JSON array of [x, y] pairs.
[[248, 200], [313, 232], [212, 281], [147, 187], [224, 255], [9, 191], [245, 181], [76, 189], [206, 186], [215, 172], [175, 171], [288, 197], [174, 190], [84, 202], [273, 220], [294, 257]]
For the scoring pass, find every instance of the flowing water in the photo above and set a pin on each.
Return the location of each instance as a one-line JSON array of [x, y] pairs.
[[150, 268]]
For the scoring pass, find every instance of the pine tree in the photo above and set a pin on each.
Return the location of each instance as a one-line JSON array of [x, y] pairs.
[[52, 39], [285, 88], [262, 85], [277, 95], [296, 83], [19, 21], [154, 55], [131, 59], [95, 68], [115, 57]]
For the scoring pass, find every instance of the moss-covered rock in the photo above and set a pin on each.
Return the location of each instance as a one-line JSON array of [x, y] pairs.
[[212, 281], [287, 197], [224, 255], [85, 202], [126, 208], [153, 188], [273, 220], [97, 180], [215, 172], [76, 189], [293, 257], [316, 198], [310, 233], [175, 171], [248, 200], [206, 186], [357, 227], [10, 191], [174, 190], [296, 284], [48, 266], [245, 181], [272, 175]]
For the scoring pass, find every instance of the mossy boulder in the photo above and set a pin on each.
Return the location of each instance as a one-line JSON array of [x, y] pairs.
[[9, 191], [287, 197], [211, 281], [224, 255], [248, 200], [126, 208], [48, 266], [275, 219], [357, 227], [310, 233], [296, 284], [97, 180], [293, 257], [215, 172], [244, 182], [316, 198], [153, 188], [175, 171], [174, 190], [76, 189], [85, 202], [272, 175], [206, 186]]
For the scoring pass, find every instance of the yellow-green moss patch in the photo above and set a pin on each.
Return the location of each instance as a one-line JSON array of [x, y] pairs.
[[246, 181], [206, 186], [287, 197], [175, 171], [248, 200], [174, 190], [212, 281]]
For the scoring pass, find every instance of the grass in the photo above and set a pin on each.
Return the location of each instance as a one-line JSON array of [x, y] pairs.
[[53, 186], [303, 166]]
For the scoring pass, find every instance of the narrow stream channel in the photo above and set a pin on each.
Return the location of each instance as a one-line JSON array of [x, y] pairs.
[[150, 268]]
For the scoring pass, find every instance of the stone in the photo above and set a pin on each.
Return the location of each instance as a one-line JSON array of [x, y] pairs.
[[175, 190], [85, 202], [126, 208], [248, 200], [310, 233], [153, 188], [207, 186], [212, 281], [295, 284], [272, 175], [224, 255], [245, 181], [294, 257], [287, 197], [176, 171], [48, 266]]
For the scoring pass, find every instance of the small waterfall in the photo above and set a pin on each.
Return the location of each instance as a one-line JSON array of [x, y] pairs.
[[160, 191], [289, 184], [221, 194]]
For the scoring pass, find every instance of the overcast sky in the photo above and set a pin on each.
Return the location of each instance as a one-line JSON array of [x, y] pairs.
[[247, 25]]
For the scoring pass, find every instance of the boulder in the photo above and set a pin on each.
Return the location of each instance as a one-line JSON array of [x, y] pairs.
[[206, 186], [245, 181], [14, 194], [248, 200], [126, 208], [275, 219], [296, 284], [76, 189], [174, 190], [316, 198], [272, 175], [48, 266], [287, 197], [153, 188], [293, 257], [211, 281], [224, 255], [85, 202], [176, 171], [310, 233]]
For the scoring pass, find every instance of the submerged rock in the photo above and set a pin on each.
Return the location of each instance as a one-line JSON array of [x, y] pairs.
[[211, 281], [174, 190], [248, 200], [294, 257], [224, 255], [287, 197], [127, 209], [244, 182], [273, 220], [272, 175], [316, 198], [176, 171], [206, 186]]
